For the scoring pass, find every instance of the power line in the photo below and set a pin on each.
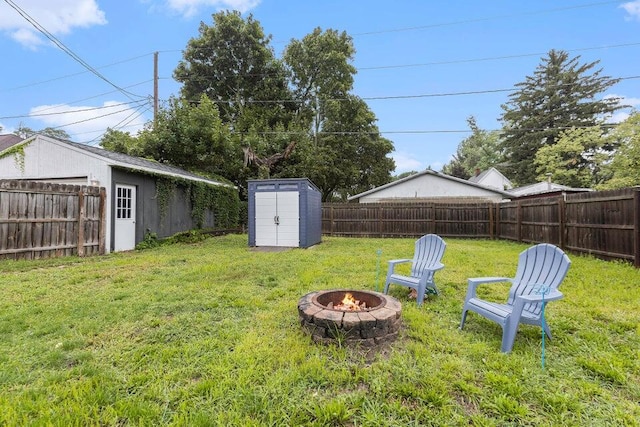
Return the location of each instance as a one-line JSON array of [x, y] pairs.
[[70, 111], [66, 50], [457, 61], [491, 58], [28, 85], [121, 125], [491, 18], [388, 97], [99, 95], [91, 118]]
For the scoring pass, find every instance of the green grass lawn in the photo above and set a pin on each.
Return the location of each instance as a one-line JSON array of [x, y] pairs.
[[208, 334]]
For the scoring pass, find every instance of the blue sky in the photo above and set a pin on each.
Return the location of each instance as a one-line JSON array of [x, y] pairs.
[[417, 60]]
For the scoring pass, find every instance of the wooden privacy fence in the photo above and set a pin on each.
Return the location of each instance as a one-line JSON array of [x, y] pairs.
[[605, 224], [42, 220]]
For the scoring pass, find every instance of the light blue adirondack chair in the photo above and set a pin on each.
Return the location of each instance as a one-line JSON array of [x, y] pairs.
[[426, 261], [540, 271]]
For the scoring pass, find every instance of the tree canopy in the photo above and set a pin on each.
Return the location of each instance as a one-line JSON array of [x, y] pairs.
[[560, 95], [576, 160], [233, 64], [288, 117], [26, 132], [624, 168], [480, 151]]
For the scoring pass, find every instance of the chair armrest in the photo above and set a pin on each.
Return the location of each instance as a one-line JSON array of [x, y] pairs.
[[473, 283], [479, 280], [551, 296], [394, 262]]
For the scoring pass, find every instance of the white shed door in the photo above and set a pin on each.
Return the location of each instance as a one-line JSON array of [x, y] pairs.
[[277, 218], [125, 218]]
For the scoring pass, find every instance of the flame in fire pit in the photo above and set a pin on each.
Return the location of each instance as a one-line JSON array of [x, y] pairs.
[[349, 303]]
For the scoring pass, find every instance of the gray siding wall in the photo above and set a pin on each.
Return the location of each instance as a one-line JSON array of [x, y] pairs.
[[177, 217]]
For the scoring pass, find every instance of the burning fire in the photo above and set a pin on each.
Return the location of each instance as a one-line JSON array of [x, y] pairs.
[[349, 303]]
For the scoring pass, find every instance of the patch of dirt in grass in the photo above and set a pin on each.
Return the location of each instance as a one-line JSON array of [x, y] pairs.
[[468, 405]]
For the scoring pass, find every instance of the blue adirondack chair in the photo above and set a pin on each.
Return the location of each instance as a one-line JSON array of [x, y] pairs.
[[426, 261], [540, 271]]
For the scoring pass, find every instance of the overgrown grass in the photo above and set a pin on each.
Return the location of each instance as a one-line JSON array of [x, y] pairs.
[[207, 334]]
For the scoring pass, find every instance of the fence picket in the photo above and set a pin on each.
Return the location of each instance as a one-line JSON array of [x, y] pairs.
[[605, 224], [41, 220]]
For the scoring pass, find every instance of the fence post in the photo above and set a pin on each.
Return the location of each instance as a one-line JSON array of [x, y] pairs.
[[380, 221], [330, 220], [433, 217], [498, 213], [103, 209], [519, 222], [490, 205], [81, 214], [562, 219], [636, 228]]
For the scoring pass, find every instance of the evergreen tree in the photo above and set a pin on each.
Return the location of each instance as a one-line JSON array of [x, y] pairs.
[[559, 95]]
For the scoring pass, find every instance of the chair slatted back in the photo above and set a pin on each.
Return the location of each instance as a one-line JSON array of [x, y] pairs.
[[429, 250], [541, 266]]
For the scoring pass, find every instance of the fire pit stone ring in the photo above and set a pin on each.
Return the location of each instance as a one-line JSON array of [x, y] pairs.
[[376, 322]]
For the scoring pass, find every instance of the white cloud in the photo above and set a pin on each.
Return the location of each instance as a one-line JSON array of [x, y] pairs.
[[406, 163], [84, 123], [622, 115], [4, 130], [189, 8], [56, 16], [632, 8]]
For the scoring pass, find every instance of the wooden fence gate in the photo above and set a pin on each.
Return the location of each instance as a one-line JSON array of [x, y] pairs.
[[42, 220]]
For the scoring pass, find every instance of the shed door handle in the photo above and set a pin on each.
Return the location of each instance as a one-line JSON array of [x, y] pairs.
[[276, 219]]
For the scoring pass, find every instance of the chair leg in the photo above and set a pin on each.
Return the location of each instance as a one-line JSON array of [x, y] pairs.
[[464, 318], [386, 287], [420, 298], [508, 336], [546, 329]]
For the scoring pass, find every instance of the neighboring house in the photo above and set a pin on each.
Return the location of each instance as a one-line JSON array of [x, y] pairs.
[[492, 178], [7, 141], [428, 186], [544, 189], [133, 192]]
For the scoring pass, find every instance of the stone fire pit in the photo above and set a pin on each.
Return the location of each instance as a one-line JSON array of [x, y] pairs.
[[376, 324]]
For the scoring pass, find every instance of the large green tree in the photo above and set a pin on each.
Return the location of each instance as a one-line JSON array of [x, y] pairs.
[[345, 153], [624, 168], [480, 151], [350, 156], [187, 135], [233, 63], [561, 94], [577, 159]]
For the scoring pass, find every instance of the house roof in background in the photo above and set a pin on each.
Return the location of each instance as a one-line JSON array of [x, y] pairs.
[[8, 140], [433, 173], [483, 174], [542, 188]]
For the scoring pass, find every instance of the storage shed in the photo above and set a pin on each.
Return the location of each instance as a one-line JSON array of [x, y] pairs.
[[284, 212]]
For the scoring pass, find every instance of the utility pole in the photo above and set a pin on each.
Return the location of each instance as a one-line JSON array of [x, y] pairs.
[[155, 86]]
